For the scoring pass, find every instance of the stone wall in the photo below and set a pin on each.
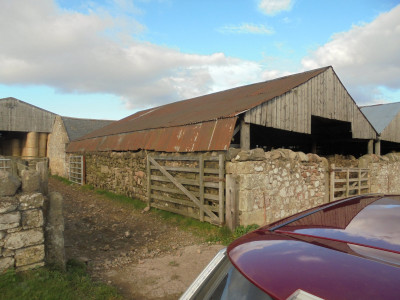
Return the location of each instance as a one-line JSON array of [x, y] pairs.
[[21, 221], [31, 224], [384, 172], [273, 185], [120, 172], [56, 145]]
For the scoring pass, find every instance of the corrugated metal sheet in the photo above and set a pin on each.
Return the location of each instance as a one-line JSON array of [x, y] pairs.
[[381, 115], [207, 136], [161, 128]]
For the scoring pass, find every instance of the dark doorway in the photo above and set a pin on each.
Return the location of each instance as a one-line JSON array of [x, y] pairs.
[[331, 137]]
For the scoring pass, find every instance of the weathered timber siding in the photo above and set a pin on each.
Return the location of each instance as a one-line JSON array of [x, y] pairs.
[[392, 132], [323, 96], [56, 145], [16, 115]]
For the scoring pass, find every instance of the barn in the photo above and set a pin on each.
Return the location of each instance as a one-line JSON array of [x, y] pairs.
[[179, 154], [385, 118], [32, 133], [310, 112], [64, 131], [24, 128]]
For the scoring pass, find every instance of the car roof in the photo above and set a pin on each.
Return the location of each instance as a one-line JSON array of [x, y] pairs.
[[347, 249]]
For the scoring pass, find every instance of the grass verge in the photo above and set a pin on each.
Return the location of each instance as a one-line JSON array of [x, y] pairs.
[[209, 232], [44, 283]]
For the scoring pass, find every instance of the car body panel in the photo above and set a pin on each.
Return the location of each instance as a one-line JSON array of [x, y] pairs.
[[349, 249]]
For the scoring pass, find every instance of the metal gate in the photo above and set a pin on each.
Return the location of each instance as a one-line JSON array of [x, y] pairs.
[[193, 186], [77, 169], [345, 182], [5, 164]]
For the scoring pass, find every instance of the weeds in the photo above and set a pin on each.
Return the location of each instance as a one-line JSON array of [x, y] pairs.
[[62, 179], [43, 283]]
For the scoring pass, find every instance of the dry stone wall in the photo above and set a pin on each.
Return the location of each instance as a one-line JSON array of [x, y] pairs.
[[120, 172], [273, 185], [21, 222], [384, 172]]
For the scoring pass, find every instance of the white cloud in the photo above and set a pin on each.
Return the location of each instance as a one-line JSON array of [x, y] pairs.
[[364, 57], [247, 28], [273, 7], [91, 53]]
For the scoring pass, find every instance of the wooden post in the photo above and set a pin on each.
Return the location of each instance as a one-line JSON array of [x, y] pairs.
[[148, 182], [359, 181], [332, 184], [244, 135], [347, 182], [370, 146], [221, 197], [232, 193], [83, 169], [201, 186], [314, 147], [378, 146]]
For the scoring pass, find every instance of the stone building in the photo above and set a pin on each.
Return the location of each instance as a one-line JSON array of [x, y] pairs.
[[64, 131]]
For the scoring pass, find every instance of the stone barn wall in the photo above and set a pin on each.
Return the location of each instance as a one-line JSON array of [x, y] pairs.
[[277, 184]]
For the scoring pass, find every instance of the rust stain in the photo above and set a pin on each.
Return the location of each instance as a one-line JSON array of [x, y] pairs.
[[211, 135]]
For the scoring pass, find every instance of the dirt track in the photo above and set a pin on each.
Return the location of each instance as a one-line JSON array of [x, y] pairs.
[[142, 255]]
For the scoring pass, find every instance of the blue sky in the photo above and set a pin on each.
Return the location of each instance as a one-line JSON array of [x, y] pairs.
[[107, 59]]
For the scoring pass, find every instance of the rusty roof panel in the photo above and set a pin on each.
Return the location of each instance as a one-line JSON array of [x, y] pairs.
[[206, 136], [218, 105]]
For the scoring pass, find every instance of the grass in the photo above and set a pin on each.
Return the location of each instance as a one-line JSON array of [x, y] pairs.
[[209, 232], [62, 179], [47, 284]]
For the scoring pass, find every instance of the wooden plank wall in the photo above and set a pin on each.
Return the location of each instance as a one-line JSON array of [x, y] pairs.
[[19, 116], [392, 132], [322, 96]]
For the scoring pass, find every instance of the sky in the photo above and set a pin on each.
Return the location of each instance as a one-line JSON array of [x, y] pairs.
[[107, 59]]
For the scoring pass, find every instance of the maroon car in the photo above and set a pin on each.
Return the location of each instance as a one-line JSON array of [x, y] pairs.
[[348, 249]]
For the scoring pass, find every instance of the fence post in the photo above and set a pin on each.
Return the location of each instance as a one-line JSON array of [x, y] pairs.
[[332, 184], [148, 182], [201, 186], [83, 169], [347, 182], [232, 193], [221, 162]]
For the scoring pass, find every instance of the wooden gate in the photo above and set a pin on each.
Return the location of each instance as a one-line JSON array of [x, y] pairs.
[[77, 169], [345, 182], [188, 185]]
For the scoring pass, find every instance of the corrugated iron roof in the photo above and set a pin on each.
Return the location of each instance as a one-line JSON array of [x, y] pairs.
[[206, 136], [381, 115], [200, 110]]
